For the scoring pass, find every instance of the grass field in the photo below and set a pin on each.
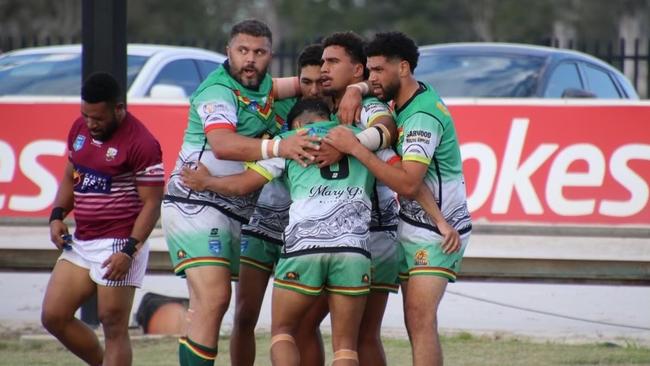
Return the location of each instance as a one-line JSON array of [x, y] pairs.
[[462, 349]]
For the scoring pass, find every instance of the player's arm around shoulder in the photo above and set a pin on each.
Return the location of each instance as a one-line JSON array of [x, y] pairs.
[[405, 180], [250, 180]]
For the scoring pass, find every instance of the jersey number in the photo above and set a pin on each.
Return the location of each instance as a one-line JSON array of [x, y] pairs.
[[341, 173]]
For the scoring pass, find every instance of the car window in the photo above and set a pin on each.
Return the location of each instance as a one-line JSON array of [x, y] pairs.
[[480, 75], [600, 83], [133, 66], [564, 76], [50, 73], [41, 74], [183, 73], [206, 67]]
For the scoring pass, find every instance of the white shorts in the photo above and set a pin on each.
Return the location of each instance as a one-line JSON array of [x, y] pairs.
[[90, 254]]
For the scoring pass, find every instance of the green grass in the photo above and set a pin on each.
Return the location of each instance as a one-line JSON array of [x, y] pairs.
[[462, 349]]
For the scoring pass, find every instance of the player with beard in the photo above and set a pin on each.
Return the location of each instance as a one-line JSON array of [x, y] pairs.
[[326, 241], [229, 113], [432, 246], [114, 183], [261, 241]]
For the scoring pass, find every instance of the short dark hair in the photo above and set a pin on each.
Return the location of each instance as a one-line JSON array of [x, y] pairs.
[[394, 45], [101, 87], [351, 42], [310, 56], [310, 105], [252, 27]]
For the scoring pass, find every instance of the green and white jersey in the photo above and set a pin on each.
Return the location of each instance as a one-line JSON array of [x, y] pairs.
[[271, 214], [427, 135], [220, 102], [385, 206], [331, 206]]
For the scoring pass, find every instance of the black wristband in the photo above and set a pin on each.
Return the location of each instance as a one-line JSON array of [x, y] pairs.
[[129, 248], [57, 214]]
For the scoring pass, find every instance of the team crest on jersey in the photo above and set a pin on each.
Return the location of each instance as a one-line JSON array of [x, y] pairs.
[[252, 106], [111, 153], [209, 108], [215, 246], [421, 257], [292, 276], [79, 142], [180, 254]]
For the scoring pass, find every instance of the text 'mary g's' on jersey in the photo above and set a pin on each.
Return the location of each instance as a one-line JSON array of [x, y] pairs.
[[221, 102], [330, 208], [106, 176], [427, 135]]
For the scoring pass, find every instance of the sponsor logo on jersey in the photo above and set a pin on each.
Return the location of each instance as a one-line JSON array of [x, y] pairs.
[[421, 257], [338, 193], [292, 276], [79, 142], [209, 108], [180, 254], [214, 231], [375, 107], [111, 153], [243, 245], [418, 133], [89, 181], [215, 246]]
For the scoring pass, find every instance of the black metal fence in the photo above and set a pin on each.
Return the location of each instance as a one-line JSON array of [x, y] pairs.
[[631, 57]]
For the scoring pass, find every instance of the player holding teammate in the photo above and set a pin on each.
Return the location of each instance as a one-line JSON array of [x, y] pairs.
[[261, 241], [433, 246], [229, 112]]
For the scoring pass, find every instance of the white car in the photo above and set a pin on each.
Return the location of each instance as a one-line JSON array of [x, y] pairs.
[[153, 71]]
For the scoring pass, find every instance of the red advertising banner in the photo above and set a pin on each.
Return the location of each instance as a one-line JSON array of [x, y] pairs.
[[538, 162]]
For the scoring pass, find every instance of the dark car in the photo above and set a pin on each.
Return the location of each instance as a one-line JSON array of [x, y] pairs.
[[502, 70]]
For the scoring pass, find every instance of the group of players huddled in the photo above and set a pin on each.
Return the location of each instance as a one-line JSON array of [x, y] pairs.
[[343, 184]]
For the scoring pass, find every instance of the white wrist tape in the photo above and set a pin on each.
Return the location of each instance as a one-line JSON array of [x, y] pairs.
[[370, 138], [276, 147], [363, 87], [265, 149]]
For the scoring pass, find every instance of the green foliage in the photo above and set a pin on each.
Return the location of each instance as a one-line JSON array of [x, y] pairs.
[[207, 22]]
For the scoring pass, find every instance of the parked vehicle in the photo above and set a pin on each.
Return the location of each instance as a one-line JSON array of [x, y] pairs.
[[152, 70], [502, 70]]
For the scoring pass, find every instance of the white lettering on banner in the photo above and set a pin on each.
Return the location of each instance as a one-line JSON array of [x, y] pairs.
[[559, 177], [7, 166], [487, 161], [515, 176], [38, 175], [635, 184]]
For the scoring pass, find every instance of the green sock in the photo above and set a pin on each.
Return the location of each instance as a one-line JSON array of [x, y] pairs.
[[191, 353]]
